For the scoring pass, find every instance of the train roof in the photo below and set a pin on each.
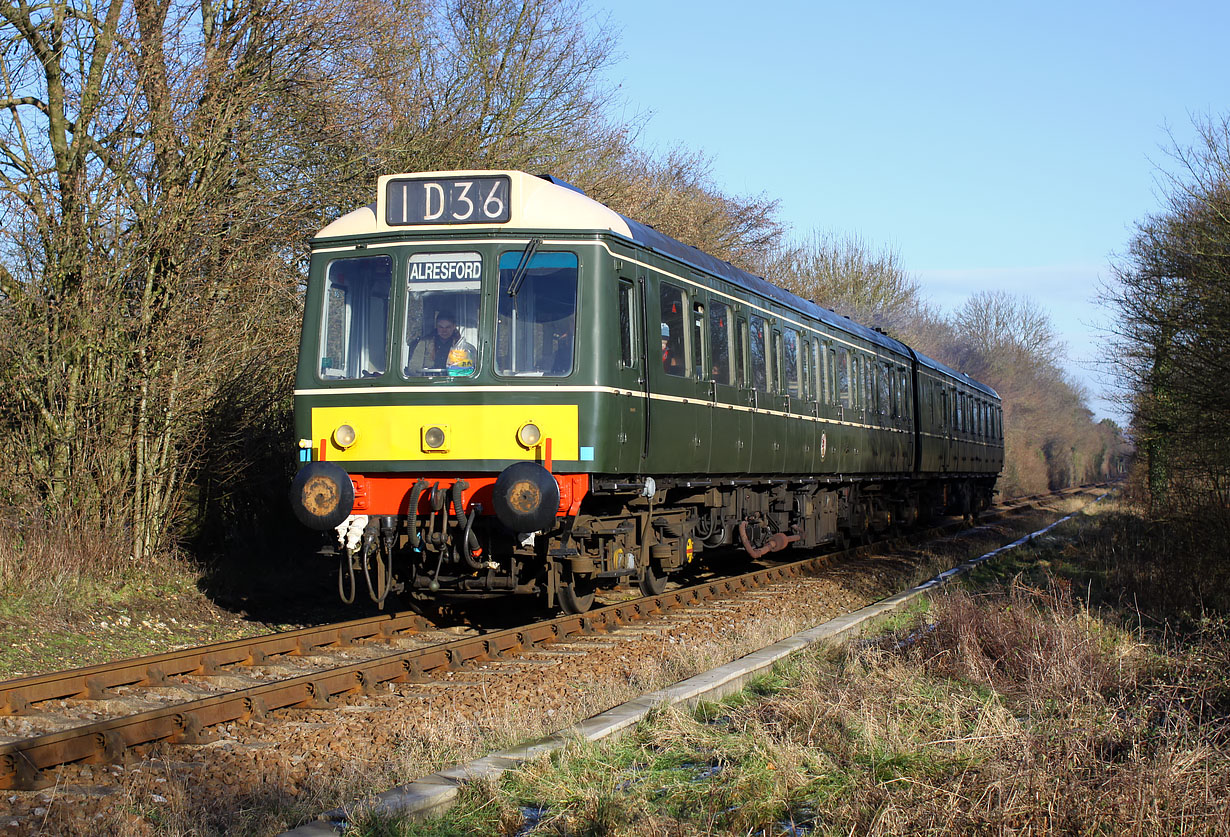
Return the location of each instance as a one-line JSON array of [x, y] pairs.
[[544, 202]]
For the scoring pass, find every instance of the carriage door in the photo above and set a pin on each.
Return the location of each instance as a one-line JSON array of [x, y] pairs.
[[731, 421], [678, 401], [632, 400]]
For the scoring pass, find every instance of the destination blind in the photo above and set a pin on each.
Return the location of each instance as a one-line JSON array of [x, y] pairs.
[[472, 200]]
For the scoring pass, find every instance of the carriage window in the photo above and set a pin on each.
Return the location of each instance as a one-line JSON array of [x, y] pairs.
[[869, 382], [719, 342], [805, 367], [625, 323], [843, 376], [790, 363], [906, 400], [698, 341], [762, 376], [884, 393], [742, 364], [674, 330], [820, 365], [959, 422], [857, 390], [535, 329], [355, 327]]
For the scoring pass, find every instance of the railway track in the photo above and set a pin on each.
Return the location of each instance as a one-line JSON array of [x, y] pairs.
[[52, 719]]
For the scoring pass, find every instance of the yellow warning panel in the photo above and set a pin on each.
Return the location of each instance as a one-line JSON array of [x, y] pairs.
[[470, 431]]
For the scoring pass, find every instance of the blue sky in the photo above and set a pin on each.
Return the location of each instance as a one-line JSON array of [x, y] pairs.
[[994, 145]]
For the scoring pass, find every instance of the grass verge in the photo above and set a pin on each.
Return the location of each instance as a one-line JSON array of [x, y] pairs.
[[69, 597], [1078, 685]]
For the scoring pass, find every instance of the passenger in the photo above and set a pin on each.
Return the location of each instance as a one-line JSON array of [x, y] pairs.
[[444, 351], [670, 358]]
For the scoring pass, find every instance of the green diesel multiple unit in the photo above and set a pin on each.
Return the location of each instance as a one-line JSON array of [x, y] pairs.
[[504, 385]]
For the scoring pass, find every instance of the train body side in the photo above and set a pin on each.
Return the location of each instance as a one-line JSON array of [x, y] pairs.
[[628, 399]]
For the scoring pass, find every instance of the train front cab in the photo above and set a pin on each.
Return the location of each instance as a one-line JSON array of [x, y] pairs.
[[404, 442]]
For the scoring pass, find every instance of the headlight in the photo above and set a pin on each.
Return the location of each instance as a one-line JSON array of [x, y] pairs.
[[344, 436], [435, 437], [529, 435]]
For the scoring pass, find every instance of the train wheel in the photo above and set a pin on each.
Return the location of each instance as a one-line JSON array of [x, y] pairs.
[[576, 596], [652, 584]]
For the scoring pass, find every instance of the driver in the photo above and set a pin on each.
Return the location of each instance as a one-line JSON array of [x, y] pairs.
[[442, 350]]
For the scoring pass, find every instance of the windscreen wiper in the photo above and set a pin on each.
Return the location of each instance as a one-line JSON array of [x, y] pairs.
[[523, 266]]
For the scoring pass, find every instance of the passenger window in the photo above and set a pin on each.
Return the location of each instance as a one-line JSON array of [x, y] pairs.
[[885, 387], [674, 330], [832, 376], [789, 346], [843, 377], [741, 356], [534, 329], [856, 379], [807, 388], [868, 382], [820, 367], [625, 323], [354, 331], [719, 342], [761, 374], [698, 342], [775, 382]]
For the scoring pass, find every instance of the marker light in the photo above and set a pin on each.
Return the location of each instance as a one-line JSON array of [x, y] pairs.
[[529, 435], [344, 436]]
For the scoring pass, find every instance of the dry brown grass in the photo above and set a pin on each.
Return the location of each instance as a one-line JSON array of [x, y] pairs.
[[1011, 713], [1018, 713], [38, 553]]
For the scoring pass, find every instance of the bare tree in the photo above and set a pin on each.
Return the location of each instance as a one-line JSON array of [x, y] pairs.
[[1170, 345], [846, 274]]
